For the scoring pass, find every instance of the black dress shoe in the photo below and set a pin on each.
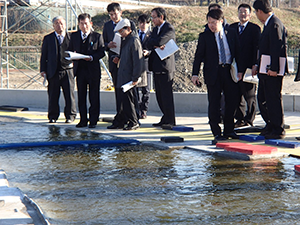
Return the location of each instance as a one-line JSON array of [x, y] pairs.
[[92, 125], [69, 121], [265, 131], [52, 121], [217, 139], [157, 124], [80, 124], [131, 127], [275, 136], [114, 126], [240, 123], [232, 135]]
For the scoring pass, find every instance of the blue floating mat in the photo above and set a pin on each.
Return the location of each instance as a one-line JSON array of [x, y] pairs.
[[271, 142], [281, 143], [182, 128], [251, 137]]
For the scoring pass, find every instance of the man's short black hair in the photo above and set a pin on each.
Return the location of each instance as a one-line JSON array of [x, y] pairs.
[[245, 5], [215, 14], [160, 12], [263, 5], [83, 16], [212, 5], [113, 7], [144, 18]]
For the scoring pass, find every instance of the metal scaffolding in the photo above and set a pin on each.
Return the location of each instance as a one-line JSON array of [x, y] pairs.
[[29, 14]]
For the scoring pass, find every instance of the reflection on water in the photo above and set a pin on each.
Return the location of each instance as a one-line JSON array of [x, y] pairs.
[[92, 185]]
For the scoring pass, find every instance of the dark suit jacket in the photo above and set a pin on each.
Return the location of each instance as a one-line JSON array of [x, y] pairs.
[[273, 42], [249, 40], [144, 46], [108, 35], [207, 52], [167, 32], [95, 49], [49, 54]]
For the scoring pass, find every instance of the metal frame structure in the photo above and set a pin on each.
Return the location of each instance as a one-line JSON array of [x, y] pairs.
[[30, 13]]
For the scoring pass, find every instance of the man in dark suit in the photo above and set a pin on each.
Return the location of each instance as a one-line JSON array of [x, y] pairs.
[[217, 47], [87, 71], [144, 34], [58, 71], [115, 13], [272, 43], [249, 34], [163, 70]]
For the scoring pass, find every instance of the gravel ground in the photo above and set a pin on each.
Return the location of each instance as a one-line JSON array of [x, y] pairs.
[[26, 79]]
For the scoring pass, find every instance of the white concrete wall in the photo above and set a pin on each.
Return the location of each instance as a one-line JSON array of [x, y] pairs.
[[184, 102]]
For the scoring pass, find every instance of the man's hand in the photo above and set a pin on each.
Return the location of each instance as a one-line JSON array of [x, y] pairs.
[[88, 59], [272, 73], [240, 76], [195, 80], [254, 70], [112, 44], [146, 52], [116, 60], [134, 82], [43, 74]]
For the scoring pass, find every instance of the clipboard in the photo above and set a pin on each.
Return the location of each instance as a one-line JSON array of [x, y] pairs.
[[265, 62]]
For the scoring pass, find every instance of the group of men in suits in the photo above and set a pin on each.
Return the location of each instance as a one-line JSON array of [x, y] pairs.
[[163, 70], [218, 46], [60, 72]]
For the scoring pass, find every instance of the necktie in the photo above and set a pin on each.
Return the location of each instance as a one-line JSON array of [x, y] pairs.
[[59, 39], [241, 29], [222, 49], [141, 35], [84, 37]]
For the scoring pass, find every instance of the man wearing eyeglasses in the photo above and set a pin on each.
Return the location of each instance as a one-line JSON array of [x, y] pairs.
[[163, 70]]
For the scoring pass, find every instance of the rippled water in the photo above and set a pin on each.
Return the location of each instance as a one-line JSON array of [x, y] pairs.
[[80, 185]]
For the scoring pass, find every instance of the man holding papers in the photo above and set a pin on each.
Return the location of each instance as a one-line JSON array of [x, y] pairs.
[[87, 70], [217, 47], [163, 69], [249, 34], [131, 66], [272, 44], [112, 42], [58, 71]]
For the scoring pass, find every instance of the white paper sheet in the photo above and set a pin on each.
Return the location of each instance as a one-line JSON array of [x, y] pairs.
[[117, 40], [75, 56], [266, 61], [248, 77], [128, 86], [169, 49]]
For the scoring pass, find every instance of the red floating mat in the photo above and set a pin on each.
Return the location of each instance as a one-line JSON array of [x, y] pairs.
[[297, 168], [252, 149], [226, 144]]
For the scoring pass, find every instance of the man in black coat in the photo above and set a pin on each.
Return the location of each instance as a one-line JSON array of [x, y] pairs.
[[87, 71], [163, 70], [58, 71], [249, 34], [144, 34], [272, 43], [115, 13], [217, 47]]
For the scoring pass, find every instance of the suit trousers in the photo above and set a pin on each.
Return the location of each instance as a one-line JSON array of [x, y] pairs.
[[230, 90], [270, 102], [247, 106], [88, 82], [164, 97], [65, 80], [144, 99]]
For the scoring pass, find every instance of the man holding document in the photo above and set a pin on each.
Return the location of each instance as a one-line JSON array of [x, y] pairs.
[[87, 70], [272, 46], [163, 67], [131, 66]]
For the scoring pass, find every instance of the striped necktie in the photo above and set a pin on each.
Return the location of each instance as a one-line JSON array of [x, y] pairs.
[[241, 29], [222, 49]]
